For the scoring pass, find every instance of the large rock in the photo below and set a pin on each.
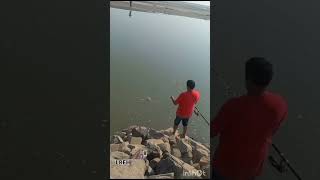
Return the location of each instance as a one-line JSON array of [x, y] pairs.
[[173, 164], [162, 176], [114, 147], [135, 140], [184, 146], [137, 151], [196, 165], [150, 171], [119, 155], [198, 145], [124, 147], [154, 141], [153, 163], [135, 170], [165, 147], [198, 153], [116, 139], [154, 134], [176, 152], [172, 140], [140, 132], [187, 157], [154, 151], [204, 161]]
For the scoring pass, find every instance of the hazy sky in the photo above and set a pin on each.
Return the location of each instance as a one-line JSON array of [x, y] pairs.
[[207, 3]]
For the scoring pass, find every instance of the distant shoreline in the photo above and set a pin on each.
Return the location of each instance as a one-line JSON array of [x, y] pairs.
[[166, 7]]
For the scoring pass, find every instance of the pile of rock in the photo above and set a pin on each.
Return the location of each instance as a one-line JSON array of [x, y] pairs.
[[157, 154]]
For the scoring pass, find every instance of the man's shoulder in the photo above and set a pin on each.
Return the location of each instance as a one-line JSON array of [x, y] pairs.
[[276, 97]]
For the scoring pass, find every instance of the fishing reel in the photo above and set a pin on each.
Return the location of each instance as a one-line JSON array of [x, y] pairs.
[[280, 166]]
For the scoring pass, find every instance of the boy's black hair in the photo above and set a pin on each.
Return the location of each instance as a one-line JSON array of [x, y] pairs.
[[191, 84], [259, 71]]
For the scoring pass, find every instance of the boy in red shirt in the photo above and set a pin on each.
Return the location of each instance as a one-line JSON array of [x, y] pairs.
[[245, 126], [186, 102]]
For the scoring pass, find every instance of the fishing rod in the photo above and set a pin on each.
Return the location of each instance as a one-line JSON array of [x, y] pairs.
[[280, 166]]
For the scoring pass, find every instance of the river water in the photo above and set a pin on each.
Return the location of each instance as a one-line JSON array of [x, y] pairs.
[[153, 55]]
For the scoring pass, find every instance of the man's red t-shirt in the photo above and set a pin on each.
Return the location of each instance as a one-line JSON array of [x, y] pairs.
[[245, 126], [187, 101]]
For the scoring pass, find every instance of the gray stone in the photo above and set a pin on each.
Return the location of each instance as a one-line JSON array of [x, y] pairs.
[[172, 140], [204, 161], [165, 147], [137, 151], [196, 165], [154, 134], [162, 176], [124, 147], [176, 152], [135, 140]]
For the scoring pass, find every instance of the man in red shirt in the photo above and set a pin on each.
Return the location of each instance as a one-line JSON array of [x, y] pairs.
[[186, 102], [245, 125]]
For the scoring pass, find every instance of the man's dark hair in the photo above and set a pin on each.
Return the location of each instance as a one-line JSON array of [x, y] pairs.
[[191, 84], [259, 71]]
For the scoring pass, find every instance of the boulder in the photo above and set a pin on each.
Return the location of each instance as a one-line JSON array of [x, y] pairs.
[[204, 161], [165, 147], [114, 147], [173, 164], [162, 176], [149, 171], [198, 153], [172, 140], [196, 165], [135, 140], [198, 145], [154, 134], [184, 146], [140, 132], [168, 131], [123, 147], [119, 155], [116, 139], [135, 170], [187, 157], [137, 151], [154, 141], [176, 152], [154, 151], [153, 163]]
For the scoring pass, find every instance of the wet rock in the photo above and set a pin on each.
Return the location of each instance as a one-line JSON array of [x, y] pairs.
[[116, 139], [198, 153], [119, 155], [135, 140], [135, 170], [162, 176], [153, 163], [165, 147], [176, 152]]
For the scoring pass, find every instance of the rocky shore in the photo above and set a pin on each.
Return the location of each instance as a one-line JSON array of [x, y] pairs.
[[157, 154]]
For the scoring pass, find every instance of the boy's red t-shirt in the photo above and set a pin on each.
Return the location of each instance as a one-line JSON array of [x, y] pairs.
[[186, 102], [245, 126]]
